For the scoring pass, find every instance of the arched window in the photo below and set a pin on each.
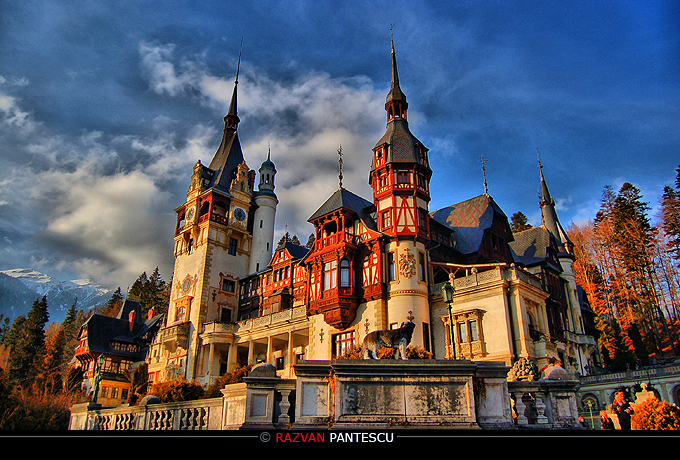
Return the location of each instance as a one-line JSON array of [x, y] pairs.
[[344, 273]]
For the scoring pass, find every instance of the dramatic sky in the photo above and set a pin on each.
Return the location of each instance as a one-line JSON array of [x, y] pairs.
[[106, 105]]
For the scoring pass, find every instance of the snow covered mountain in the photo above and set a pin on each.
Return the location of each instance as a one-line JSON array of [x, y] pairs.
[[19, 288]]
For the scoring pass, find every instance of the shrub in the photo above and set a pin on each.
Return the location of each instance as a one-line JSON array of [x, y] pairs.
[[235, 376], [653, 414], [177, 390]]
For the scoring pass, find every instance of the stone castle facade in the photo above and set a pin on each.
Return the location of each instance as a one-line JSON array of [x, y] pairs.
[[374, 263]]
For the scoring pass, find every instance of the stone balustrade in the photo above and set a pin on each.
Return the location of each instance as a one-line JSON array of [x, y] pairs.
[[357, 394]]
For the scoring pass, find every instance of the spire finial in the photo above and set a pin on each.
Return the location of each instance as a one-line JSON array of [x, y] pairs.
[[238, 65], [540, 166], [340, 163], [486, 184], [269, 153]]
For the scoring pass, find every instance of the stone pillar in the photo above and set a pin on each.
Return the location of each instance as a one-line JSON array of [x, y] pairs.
[[211, 356], [232, 356], [290, 355], [270, 351]]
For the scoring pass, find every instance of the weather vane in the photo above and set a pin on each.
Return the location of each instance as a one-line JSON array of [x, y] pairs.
[[340, 162]]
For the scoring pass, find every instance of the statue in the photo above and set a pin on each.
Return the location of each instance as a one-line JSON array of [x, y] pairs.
[[395, 339], [524, 369]]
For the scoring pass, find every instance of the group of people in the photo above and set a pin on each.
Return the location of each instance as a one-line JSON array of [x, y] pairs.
[[623, 410]]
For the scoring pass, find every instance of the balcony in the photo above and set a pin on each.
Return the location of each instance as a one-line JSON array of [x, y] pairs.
[[217, 332], [335, 238], [176, 335]]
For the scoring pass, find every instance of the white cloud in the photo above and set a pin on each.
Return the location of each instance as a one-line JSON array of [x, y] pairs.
[[304, 121]]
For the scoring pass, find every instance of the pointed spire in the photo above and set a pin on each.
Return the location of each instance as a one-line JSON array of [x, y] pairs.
[[545, 198], [486, 184], [340, 163], [395, 103], [231, 120], [549, 215]]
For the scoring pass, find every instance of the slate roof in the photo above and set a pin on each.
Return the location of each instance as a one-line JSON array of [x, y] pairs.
[[532, 246], [297, 252], [401, 143], [342, 198], [468, 220], [102, 330], [226, 160]]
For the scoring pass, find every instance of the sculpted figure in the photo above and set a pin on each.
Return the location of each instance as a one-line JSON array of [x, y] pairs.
[[395, 339]]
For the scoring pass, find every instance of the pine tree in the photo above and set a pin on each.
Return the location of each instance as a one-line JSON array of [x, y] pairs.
[[4, 327], [50, 380], [112, 306], [28, 348], [151, 292], [310, 241], [519, 222], [670, 209]]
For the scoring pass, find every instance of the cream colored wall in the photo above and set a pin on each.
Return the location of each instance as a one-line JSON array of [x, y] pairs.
[[407, 294]]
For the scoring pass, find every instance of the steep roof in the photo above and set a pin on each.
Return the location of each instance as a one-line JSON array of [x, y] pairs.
[[102, 330], [550, 220], [535, 246], [401, 143], [468, 220], [296, 251], [342, 198]]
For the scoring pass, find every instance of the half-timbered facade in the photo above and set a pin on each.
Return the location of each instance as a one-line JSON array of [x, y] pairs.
[[375, 263]]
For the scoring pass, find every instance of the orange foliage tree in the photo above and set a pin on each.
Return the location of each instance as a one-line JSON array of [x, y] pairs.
[[653, 414]]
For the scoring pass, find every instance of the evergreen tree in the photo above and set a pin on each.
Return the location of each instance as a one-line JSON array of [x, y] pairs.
[[112, 306], [4, 327], [50, 380], [310, 241], [519, 222], [28, 352], [670, 209], [151, 292]]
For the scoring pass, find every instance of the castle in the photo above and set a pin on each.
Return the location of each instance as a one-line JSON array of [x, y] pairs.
[[374, 263]]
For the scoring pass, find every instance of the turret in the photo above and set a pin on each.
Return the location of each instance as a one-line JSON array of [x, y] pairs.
[[265, 214]]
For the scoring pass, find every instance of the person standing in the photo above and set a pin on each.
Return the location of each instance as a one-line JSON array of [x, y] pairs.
[[622, 409]]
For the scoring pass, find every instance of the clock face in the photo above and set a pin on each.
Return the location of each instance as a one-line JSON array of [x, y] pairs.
[[190, 213], [239, 214]]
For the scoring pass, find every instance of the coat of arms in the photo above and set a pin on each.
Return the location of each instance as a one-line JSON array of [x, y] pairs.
[[407, 264]]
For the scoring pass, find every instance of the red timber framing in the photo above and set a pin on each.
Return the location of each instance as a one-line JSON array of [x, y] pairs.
[[344, 268]]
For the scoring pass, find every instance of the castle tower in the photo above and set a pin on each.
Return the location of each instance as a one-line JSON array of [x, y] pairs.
[[213, 238], [400, 177], [263, 221], [565, 255]]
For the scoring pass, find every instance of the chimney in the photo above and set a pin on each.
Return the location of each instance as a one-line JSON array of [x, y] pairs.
[[151, 313], [131, 319]]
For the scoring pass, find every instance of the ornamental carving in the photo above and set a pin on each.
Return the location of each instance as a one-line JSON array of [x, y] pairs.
[[407, 264]]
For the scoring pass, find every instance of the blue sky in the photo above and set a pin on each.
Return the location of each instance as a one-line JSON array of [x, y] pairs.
[[105, 107]]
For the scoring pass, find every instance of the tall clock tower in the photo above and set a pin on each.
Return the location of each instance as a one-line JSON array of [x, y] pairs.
[[213, 239], [400, 177]]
